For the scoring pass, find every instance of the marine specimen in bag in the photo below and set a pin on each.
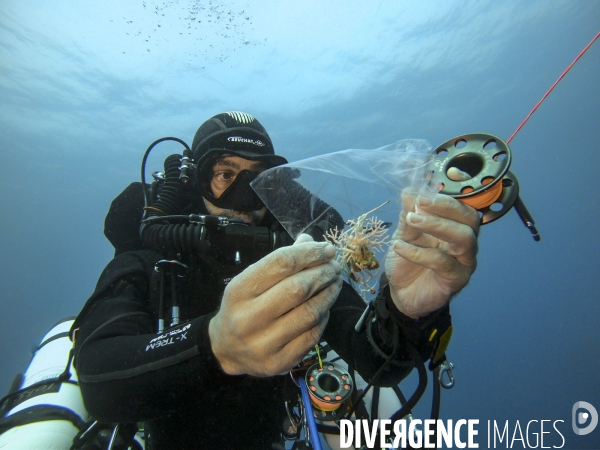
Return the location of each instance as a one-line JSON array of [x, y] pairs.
[[356, 248]]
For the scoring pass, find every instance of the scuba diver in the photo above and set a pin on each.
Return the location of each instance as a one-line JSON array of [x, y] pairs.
[[195, 325]]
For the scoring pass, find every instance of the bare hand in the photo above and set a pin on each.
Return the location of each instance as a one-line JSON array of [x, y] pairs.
[[434, 253], [276, 310]]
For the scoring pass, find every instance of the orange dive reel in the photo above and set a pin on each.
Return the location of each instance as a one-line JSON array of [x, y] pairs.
[[489, 187]]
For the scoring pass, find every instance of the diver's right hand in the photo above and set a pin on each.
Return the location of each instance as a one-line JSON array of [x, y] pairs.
[[276, 310]]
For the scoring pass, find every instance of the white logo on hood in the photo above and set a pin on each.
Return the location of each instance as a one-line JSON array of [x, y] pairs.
[[241, 117], [257, 142]]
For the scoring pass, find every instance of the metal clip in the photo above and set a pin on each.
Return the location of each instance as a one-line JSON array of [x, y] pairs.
[[178, 270], [446, 367], [113, 438], [87, 430], [174, 262], [361, 324], [294, 420]]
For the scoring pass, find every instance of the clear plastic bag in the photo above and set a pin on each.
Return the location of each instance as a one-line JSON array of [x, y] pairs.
[[324, 194], [300, 194]]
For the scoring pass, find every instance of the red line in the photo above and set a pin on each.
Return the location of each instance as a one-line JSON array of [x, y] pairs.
[[553, 86]]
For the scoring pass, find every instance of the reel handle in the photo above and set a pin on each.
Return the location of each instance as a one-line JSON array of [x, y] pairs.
[[525, 216]]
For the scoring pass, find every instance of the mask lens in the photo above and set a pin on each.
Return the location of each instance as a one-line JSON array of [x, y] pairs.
[[239, 196]]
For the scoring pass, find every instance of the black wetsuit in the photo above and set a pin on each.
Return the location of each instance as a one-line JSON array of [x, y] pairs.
[[173, 382]]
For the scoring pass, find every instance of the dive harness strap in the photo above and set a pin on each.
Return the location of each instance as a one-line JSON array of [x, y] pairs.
[[429, 335], [17, 396], [40, 413], [43, 412]]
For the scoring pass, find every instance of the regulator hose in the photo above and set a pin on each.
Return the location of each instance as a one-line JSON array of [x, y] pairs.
[[171, 196], [186, 153], [177, 238], [235, 241], [171, 199]]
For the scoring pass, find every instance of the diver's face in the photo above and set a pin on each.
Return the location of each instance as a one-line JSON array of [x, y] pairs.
[[223, 174]]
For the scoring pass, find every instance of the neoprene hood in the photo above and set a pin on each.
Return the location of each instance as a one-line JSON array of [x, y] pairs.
[[234, 133]]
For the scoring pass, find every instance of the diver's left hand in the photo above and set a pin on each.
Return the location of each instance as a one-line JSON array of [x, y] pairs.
[[433, 253]]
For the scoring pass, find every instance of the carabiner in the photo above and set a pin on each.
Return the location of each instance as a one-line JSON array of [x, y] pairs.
[[294, 420], [446, 367]]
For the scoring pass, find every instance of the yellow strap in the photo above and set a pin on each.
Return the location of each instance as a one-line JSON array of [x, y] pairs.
[[443, 343], [319, 356], [433, 334]]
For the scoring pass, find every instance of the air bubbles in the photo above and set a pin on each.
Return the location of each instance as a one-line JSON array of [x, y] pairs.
[[222, 18]]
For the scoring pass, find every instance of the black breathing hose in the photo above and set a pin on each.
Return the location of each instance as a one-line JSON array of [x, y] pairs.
[[145, 158], [412, 401], [171, 197], [179, 238], [171, 200]]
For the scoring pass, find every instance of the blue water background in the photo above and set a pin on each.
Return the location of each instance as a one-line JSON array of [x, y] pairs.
[[86, 88]]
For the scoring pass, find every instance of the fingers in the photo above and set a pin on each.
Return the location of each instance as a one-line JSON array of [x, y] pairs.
[[285, 297], [445, 206], [307, 314], [301, 329], [441, 217], [455, 174], [279, 265], [295, 350], [297, 289], [457, 239], [442, 233], [303, 238], [282, 361], [275, 346], [454, 274], [405, 232]]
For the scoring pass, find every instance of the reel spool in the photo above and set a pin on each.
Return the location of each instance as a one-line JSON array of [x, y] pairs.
[[329, 386], [491, 188]]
